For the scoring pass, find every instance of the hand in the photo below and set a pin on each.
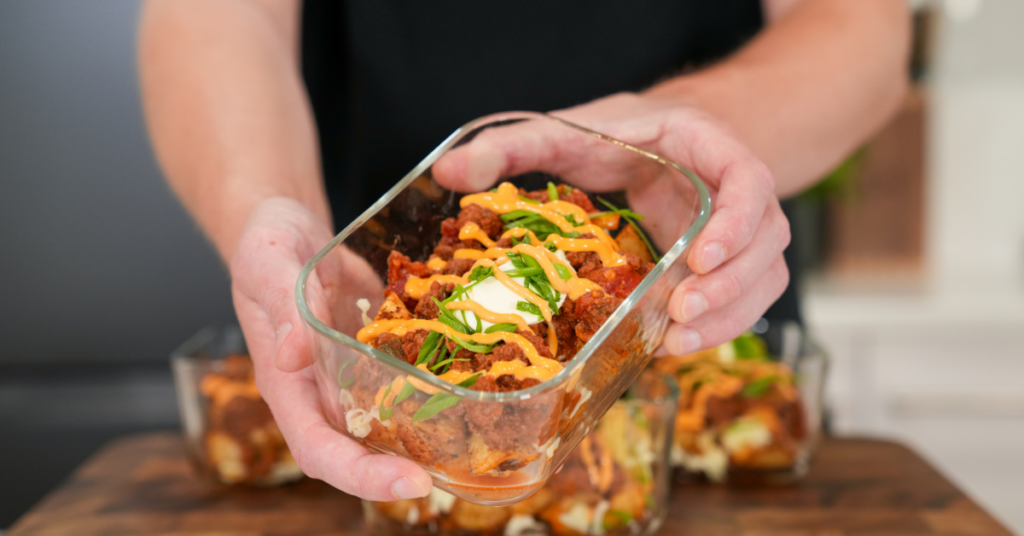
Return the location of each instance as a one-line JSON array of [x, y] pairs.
[[737, 259], [280, 236]]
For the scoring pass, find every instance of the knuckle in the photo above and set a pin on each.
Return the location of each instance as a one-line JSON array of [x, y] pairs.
[[763, 175], [276, 301], [730, 288]]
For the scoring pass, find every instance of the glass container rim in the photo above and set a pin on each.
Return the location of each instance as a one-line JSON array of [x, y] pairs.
[[599, 337]]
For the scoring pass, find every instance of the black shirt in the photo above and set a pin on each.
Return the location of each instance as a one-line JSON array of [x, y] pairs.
[[390, 79]]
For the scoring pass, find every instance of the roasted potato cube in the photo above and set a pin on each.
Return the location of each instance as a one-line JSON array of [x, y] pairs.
[[393, 309], [471, 516], [630, 242]]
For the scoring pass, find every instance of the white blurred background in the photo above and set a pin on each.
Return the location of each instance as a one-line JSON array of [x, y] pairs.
[[933, 354]]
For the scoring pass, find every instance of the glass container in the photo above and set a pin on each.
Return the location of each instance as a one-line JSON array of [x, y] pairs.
[[491, 448], [615, 482], [229, 431], [750, 411]]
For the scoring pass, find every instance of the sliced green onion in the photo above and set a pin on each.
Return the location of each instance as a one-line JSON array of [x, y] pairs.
[[631, 219], [511, 328]]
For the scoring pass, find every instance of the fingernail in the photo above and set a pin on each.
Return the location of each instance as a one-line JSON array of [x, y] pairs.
[[712, 256], [403, 488], [689, 341], [282, 334], [694, 305]]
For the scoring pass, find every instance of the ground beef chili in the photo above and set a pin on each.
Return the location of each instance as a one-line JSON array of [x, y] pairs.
[[502, 436], [575, 322]]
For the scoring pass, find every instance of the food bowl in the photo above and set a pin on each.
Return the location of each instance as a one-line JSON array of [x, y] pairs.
[[615, 482], [366, 393], [230, 434], [750, 410]]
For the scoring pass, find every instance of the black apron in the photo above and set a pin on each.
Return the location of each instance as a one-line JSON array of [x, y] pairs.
[[390, 79]]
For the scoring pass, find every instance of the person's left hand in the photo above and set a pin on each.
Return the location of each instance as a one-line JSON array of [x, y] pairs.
[[737, 259]]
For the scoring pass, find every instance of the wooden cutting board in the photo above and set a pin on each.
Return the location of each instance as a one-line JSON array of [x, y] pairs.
[[144, 485]]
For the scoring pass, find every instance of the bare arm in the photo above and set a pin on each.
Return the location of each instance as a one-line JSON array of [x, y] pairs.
[[809, 89], [227, 111], [233, 130]]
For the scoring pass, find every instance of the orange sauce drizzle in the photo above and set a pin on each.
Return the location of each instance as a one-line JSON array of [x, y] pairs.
[[522, 371], [389, 401], [506, 199], [401, 327], [223, 389], [488, 315], [574, 287], [472, 231], [520, 290], [609, 257], [437, 263], [552, 340], [417, 287], [600, 475], [693, 419]]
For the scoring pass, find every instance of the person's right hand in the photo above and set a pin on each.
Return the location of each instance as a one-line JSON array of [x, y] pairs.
[[280, 236]]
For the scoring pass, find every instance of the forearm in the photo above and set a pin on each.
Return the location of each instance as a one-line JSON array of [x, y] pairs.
[[811, 87], [226, 109]]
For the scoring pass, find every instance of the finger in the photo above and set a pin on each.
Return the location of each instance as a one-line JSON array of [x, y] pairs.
[[264, 269], [742, 185], [546, 145], [729, 322], [325, 454], [501, 151], [699, 294], [746, 190]]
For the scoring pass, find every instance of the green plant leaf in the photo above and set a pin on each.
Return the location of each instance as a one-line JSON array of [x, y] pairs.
[[511, 328], [345, 384], [428, 349], [552, 191], [474, 347], [759, 386], [442, 401], [480, 273], [385, 413], [631, 218], [528, 200], [448, 361], [406, 392], [528, 307]]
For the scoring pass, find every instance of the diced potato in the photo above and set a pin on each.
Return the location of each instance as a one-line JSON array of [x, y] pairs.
[[630, 242], [471, 516], [630, 500], [537, 502], [393, 309], [227, 455], [772, 457], [608, 221], [483, 459], [406, 510]]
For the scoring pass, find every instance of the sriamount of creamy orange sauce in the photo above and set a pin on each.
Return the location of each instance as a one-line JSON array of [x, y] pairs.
[[494, 292]]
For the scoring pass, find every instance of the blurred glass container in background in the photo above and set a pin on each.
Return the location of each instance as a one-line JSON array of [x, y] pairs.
[[230, 433], [521, 436], [616, 482], [750, 410]]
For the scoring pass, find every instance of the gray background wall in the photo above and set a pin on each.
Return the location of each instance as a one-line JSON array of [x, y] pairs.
[[102, 274], [99, 262]]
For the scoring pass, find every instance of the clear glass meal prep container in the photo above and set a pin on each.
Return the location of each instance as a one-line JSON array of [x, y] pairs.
[[534, 428], [726, 449], [616, 483], [230, 436]]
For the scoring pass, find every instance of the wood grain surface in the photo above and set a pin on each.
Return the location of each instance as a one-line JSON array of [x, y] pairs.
[[144, 485]]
